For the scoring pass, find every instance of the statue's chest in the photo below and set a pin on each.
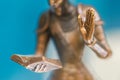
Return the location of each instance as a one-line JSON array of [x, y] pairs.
[[68, 24], [65, 30], [65, 25]]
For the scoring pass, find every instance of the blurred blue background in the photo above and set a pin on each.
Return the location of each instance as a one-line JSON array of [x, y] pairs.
[[18, 23]]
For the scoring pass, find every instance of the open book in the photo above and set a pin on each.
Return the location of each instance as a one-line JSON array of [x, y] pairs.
[[37, 63]]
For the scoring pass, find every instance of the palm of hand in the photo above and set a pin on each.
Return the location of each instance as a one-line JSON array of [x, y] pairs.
[[87, 27]]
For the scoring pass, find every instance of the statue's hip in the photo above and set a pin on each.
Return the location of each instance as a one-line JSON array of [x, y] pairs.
[[72, 72]]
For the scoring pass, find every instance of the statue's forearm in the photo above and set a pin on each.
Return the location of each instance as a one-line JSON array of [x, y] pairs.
[[100, 36], [99, 45], [42, 42], [100, 49]]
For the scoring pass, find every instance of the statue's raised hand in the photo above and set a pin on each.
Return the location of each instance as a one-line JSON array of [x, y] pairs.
[[87, 27]]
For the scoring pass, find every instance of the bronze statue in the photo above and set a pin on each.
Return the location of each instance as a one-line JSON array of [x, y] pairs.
[[71, 28]]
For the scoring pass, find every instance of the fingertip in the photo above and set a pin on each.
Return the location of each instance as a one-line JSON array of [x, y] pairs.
[[79, 16], [91, 9]]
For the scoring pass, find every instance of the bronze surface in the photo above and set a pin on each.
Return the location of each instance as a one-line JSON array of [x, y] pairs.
[[71, 29]]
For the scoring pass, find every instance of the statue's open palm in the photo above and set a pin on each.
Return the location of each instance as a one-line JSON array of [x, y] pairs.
[[87, 27]]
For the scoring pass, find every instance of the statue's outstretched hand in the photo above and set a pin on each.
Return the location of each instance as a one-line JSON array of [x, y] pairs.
[[87, 27], [37, 63]]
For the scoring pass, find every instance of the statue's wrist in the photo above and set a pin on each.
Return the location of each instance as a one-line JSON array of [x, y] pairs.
[[91, 42], [38, 53]]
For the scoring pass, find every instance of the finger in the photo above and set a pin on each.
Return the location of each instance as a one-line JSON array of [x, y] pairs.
[[44, 67], [37, 68], [80, 21], [82, 28], [91, 23], [87, 22], [89, 16], [92, 16], [41, 67]]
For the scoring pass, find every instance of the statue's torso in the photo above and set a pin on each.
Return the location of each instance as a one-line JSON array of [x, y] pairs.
[[70, 46], [67, 37]]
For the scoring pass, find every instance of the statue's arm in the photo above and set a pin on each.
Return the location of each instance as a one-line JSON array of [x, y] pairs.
[[42, 34], [92, 32], [99, 44]]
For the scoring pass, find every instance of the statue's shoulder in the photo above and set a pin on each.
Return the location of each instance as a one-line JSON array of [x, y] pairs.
[[44, 22], [83, 8]]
